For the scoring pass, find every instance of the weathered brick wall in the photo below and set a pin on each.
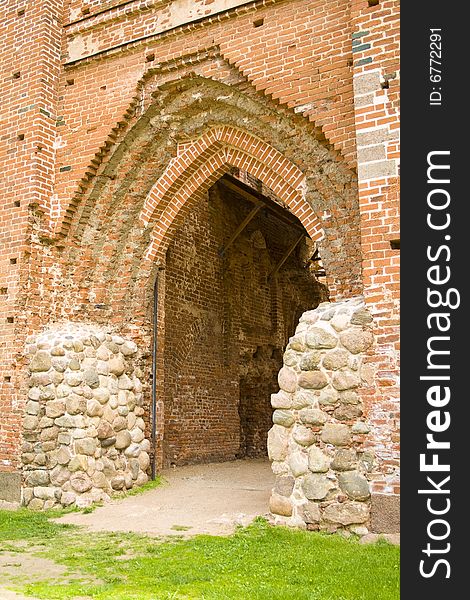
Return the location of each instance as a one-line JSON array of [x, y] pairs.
[[376, 97], [225, 328], [30, 70], [130, 111]]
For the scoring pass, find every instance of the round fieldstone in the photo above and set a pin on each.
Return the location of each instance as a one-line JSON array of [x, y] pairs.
[[32, 407], [40, 362], [103, 353], [287, 379], [60, 364], [328, 397], [345, 380], [315, 380], [57, 351], [291, 358], [318, 462], [45, 493], [59, 476], [73, 379], [119, 423], [284, 485], [349, 397], [144, 460], [304, 436], [75, 421], [354, 485], [278, 437], [125, 382], [280, 505], [37, 478], [310, 361], [67, 498], [313, 416], [298, 463], [30, 422], [336, 434], [74, 364], [123, 439], [344, 460], [78, 463], [108, 442], [347, 412], [55, 408], [105, 430], [137, 435], [129, 348], [281, 400], [34, 393], [48, 434], [360, 428], [80, 482], [118, 482], [356, 340], [117, 366], [63, 455], [101, 394], [85, 446], [297, 343], [346, 513], [340, 321], [361, 317], [283, 417], [91, 378], [304, 398], [132, 451], [316, 486], [94, 408], [335, 359], [319, 339], [310, 512]]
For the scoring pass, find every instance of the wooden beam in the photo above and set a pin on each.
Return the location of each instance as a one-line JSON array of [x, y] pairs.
[[240, 228], [255, 197], [291, 249]]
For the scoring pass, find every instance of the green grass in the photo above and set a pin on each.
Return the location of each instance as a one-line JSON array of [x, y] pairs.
[[259, 562]]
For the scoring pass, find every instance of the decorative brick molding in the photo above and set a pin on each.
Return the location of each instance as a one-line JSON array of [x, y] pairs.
[[202, 162], [318, 440], [83, 431]]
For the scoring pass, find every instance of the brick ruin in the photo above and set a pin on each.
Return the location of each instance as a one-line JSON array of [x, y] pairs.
[[199, 262]]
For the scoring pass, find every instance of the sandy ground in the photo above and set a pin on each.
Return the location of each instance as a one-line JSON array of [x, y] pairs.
[[196, 499]]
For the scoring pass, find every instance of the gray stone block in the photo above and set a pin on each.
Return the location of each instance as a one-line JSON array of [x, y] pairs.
[[10, 487]]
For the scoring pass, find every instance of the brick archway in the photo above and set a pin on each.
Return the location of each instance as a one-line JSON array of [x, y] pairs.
[[201, 163]]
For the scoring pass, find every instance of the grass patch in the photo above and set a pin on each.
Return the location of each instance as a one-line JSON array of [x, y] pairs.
[[181, 527], [259, 562]]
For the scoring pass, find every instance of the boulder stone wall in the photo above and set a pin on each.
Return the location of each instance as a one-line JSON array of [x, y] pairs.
[[83, 429], [317, 444]]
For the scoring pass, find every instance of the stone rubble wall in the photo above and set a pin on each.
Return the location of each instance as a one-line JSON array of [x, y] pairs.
[[83, 430], [316, 442]]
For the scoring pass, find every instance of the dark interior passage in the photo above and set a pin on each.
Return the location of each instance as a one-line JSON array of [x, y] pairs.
[[227, 321]]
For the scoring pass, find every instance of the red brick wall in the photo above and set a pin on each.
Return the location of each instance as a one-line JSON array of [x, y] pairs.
[[30, 68], [376, 82]]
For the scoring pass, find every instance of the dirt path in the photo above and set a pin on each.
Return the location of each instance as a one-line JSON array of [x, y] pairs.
[[196, 499]]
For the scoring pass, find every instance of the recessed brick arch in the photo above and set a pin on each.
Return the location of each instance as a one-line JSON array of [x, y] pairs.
[[201, 163]]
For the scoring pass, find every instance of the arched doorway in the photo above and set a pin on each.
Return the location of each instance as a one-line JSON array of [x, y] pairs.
[[238, 271]]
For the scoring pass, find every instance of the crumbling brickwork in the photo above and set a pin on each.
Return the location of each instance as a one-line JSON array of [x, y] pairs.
[[117, 119]]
